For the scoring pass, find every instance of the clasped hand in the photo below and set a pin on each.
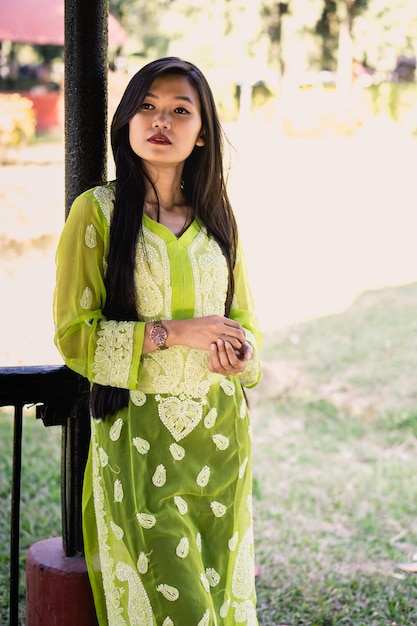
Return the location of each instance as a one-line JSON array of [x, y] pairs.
[[226, 340]]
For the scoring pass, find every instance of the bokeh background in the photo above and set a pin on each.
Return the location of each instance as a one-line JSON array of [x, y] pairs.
[[319, 101]]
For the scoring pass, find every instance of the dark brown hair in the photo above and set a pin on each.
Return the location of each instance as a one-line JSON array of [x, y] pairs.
[[204, 189]]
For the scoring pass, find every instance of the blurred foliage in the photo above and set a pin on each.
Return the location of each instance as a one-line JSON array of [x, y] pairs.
[[17, 122], [269, 34]]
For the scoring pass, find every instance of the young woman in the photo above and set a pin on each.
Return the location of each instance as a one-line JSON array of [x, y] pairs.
[[153, 306]]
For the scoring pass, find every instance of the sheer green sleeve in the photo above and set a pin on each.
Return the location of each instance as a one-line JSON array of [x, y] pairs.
[[104, 351], [243, 311]]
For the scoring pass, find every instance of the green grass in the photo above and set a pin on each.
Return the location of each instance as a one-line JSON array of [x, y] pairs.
[[335, 465], [335, 461], [40, 498]]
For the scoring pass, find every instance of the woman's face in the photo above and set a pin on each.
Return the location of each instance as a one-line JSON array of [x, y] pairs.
[[167, 126]]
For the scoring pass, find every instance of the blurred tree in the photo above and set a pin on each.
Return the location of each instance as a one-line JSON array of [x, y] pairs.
[[385, 31], [142, 21]]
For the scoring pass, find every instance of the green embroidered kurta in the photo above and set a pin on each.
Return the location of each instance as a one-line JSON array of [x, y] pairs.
[[167, 510]]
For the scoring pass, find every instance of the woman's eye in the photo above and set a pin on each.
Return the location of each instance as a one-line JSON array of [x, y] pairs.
[[147, 106], [181, 111]]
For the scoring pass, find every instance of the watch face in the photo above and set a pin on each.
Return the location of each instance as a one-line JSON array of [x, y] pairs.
[[158, 335]]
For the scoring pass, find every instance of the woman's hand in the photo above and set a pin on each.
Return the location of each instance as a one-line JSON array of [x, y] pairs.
[[227, 360], [201, 332]]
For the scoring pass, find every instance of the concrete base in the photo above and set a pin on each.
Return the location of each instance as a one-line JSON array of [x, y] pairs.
[[58, 591]]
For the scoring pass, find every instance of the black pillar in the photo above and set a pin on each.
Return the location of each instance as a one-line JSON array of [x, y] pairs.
[[86, 45]]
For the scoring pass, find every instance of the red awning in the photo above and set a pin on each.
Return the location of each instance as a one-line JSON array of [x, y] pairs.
[[42, 22]]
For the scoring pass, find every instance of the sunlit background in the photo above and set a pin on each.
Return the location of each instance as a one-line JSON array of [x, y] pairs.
[[319, 101]]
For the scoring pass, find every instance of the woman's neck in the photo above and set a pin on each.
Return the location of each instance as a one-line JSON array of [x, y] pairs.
[[165, 191]]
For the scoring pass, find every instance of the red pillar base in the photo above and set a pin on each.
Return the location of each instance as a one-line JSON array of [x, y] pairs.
[[58, 591]]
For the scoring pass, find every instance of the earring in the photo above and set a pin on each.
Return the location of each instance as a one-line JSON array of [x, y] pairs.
[[182, 185]]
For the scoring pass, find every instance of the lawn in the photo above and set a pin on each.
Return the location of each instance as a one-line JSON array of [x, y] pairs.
[[335, 460]]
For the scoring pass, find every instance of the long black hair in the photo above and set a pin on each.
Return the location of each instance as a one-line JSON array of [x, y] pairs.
[[204, 189]]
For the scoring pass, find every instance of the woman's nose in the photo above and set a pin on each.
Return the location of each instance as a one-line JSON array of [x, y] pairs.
[[162, 121]]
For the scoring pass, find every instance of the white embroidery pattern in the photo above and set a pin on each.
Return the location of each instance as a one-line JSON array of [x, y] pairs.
[[169, 592], [86, 299], [105, 197], [205, 620], [139, 608], [210, 276], [218, 508], [146, 520], [243, 580], [90, 236], [183, 548], [113, 353], [116, 429], [152, 278], [141, 445], [181, 504], [160, 476], [203, 476], [112, 593], [118, 491], [180, 416], [137, 397]]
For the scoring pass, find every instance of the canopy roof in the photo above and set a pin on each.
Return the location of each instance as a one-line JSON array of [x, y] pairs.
[[42, 22]]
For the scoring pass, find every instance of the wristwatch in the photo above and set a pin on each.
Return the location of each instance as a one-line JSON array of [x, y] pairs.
[[159, 335]]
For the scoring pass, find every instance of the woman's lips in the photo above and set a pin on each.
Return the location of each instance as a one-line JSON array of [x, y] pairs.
[[159, 139]]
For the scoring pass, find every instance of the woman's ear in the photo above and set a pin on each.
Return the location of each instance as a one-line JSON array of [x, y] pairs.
[[200, 141]]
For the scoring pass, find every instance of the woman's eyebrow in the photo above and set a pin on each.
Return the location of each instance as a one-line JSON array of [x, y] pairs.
[[183, 98]]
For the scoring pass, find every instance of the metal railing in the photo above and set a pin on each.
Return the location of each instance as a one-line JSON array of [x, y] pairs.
[[61, 398]]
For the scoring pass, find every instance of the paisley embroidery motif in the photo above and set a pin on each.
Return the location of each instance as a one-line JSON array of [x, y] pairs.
[[90, 236], [212, 576], [117, 530], [218, 508], [160, 476], [221, 442], [118, 491], [141, 445], [203, 476], [210, 418], [177, 451], [181, 505], [86, 299], [146, 520], [169, 592], [116, 429], [143, 563], [205, 582], [243, 579], [137, 397], [139, 607], [227, 386], [183, 548]]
